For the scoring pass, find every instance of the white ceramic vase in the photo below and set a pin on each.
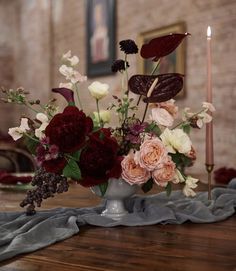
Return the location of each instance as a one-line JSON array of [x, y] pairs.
[[117, 191]]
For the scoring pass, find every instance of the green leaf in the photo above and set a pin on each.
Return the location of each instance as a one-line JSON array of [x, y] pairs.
[[186, 128], [103, 188], [76, 155], [147, 186], [72, 170], [31, 144], [153, 128], [168, 189], [180, 159]]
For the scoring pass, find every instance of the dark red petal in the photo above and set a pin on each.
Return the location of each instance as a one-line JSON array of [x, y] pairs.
[[72, 110], [115, 172], [162, 46], [55, 165], [68, 94], [89, 125], [89, 181], [167, 87]]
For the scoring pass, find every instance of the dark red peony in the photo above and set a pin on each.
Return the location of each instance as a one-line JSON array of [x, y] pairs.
[[55, 165], [99, 160], [69, 129]]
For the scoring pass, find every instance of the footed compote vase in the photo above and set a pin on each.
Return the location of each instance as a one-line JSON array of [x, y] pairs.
[[117, 191]]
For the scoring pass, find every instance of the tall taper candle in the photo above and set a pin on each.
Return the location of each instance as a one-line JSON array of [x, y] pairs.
[[209, 126]]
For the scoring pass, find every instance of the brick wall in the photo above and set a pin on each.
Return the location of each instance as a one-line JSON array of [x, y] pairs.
[[42, 43]]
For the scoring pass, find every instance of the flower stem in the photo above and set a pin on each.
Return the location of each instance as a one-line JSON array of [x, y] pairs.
[[30, 107], [185, 121], [145, 112], [99, 117], [32, 138], [77, 93], [156, 66], [153, 71], [126, 75]]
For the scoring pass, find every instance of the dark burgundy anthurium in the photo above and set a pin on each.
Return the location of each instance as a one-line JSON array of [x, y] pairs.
[[161, 46], [67, 93], [168, 86]]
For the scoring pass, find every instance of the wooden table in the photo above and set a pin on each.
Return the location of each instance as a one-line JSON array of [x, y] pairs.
[[190, 247]]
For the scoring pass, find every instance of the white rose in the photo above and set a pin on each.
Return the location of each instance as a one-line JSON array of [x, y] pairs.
[[98, 90], [176, 140]]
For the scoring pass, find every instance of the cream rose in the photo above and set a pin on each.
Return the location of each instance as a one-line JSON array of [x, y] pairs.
[[165, 173], [176, 140], [105, 116], [152, 153], [132, 172], [98, 90]]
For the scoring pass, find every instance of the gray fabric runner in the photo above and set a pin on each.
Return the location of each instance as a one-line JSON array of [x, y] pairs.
[[21, 234]]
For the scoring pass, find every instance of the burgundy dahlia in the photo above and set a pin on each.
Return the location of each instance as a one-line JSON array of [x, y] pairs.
[[99, 160], [69, 129]]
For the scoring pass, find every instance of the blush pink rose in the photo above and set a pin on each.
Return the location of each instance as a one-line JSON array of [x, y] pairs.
[[165, 173], [152, 153], [132, 172]]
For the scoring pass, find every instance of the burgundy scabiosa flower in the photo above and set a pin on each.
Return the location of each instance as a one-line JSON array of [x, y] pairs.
[[119, 65], [128, 47]]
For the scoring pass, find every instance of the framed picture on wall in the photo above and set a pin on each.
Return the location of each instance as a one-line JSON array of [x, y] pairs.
[[100, 42], [175, 62]]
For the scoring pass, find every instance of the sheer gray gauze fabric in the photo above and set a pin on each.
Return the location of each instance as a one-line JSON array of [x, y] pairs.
[[21, 234]]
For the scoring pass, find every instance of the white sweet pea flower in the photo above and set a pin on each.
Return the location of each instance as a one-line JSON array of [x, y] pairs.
[[203, 118], [39, 132], [71, 74], [208, 106], [98, 90], [66, 71], [77, 77], [42, 117], [179, 178], [66, 85], [190, 184], [66, 55], [186, 114], [73, 60], [17, 132], [176, 140]]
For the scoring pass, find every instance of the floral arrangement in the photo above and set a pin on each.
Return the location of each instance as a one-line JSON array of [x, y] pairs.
[[71, 145]]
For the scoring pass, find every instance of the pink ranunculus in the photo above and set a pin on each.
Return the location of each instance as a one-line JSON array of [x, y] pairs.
[[165, 173], [152, 154], [132, 172]]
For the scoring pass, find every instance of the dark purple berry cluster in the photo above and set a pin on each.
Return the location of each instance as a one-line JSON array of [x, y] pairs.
[[47, 184]]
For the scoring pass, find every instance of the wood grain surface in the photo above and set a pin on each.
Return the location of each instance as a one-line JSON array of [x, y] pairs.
[[190, 247]]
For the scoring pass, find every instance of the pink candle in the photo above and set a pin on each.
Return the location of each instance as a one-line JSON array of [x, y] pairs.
[[209, 126]]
